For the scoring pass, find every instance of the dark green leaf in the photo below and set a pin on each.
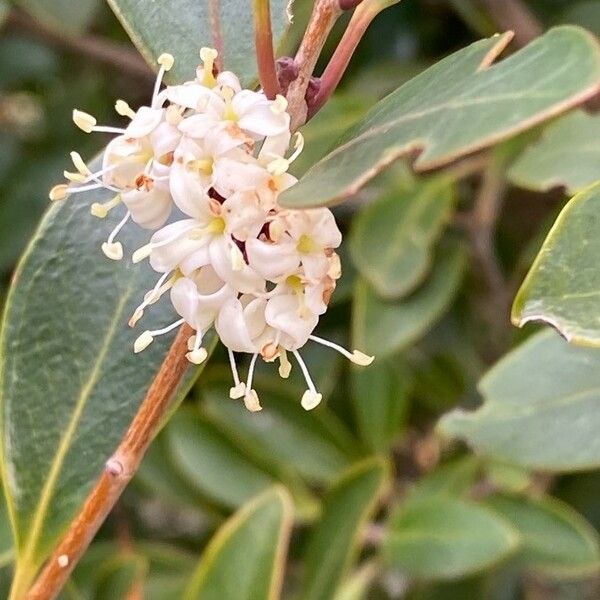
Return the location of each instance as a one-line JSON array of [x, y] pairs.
[[70, 382], [409, 221], [380, 397], [382, 328], [182, 27], [567, 155], [246, 558], [540, 409], [563, 286], [64, 16], [556, 539], [335, 539], [455, 478], [459, 105], [444, 538]]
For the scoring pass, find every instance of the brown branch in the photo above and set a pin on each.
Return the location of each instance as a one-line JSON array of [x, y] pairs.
[[514, 15], [265, 58], [119, 470], [324, 15], [93, 47]]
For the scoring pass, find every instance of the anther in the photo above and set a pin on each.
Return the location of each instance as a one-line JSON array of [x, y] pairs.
[[142, 342], [113, 250], [84, 121], [141, 253], [124, 109], [197, 356], [166, 61], [59, 192], [362, 359], [311, 399], [251, 401]]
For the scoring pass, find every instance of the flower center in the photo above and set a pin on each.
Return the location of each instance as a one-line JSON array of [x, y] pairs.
[[306, 245], [202, 165]]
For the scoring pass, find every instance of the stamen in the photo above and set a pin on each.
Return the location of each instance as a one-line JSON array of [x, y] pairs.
[[311, 397], [112, 249], [279, 105], [197, 355], [153, 296], [208, 57], [79, 164], [298, 147], [145, 251], [228, 114], [239, 388], [166, 62], [166, 329], [142, 342], [124, 109], [84, 121], [59, 192], [251, 397], [285, 366], [74, 177], [278, 166], [101, 210], [356, 356]]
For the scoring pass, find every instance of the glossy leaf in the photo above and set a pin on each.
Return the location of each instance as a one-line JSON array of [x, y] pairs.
[[182, 27], [282, 434], [382, 328], [563, 286], [445, 538], [567, 155], [461, 104], [380, 398], [540, 409], [245, 560], [64, 16], [409, 221], [334, 540], [70, 382], [555, 538]]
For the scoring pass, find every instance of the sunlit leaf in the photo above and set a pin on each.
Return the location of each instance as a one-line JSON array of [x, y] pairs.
[[461, 104], [381, 327], [245, 559], [182, 27], [567, 155], [563, 285], [445, 538], [555, 538], [409, 221], [334, 540], [540, 409], [70, 382]]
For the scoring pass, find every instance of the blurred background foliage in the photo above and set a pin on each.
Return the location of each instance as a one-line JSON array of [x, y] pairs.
[[383, 507]]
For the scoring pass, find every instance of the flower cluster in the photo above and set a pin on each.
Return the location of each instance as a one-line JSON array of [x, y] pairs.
[[210, 159]]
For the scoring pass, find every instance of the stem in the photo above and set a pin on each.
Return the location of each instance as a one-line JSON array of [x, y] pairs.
[[117, 473], [513, 14], [324, 15], [359, 23], [92, 47], [265, 58]]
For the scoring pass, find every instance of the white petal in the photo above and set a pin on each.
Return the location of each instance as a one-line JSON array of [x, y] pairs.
[[324, 229], [283, 313], [244, 217], [272, 261], [149, 210], [245, 280], [232, 328], [193, 95], [164, 139], [146, 120], [315, 265], [167, 257], [231, 175], [274, 146]]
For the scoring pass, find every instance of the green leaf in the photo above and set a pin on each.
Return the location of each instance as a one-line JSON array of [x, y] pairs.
[[382, 328], [69, 381], [409, 221], [64, 16], [445, 538], [246, 558], [563, 286], [211, 463], [334, 541], [540, 409], [567, 155], [356, 586], [556, 540], [182, 27], [461, 104], [380, 398], [283, 433], [455, 478]]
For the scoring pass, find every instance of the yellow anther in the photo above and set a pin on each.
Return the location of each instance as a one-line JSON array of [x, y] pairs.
[[208, 57], [362, 359], [310, 400], [166, 61], [75, 177], [141, 253], [279, 105], [113, 250], [84, 121], [101, 210], [79, 163], [197, 356], [143, 342], [251, 401], [285, 366], [124, 109], [306, 245], [59, 192]]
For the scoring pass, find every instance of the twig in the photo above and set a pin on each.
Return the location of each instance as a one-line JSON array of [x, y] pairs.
[[359, 23], [324, 15], [263, 40], [96, 48], [119, 470], [514, 15]]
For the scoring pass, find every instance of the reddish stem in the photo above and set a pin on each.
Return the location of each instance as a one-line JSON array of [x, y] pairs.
[[265, 58], [119, 470]]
